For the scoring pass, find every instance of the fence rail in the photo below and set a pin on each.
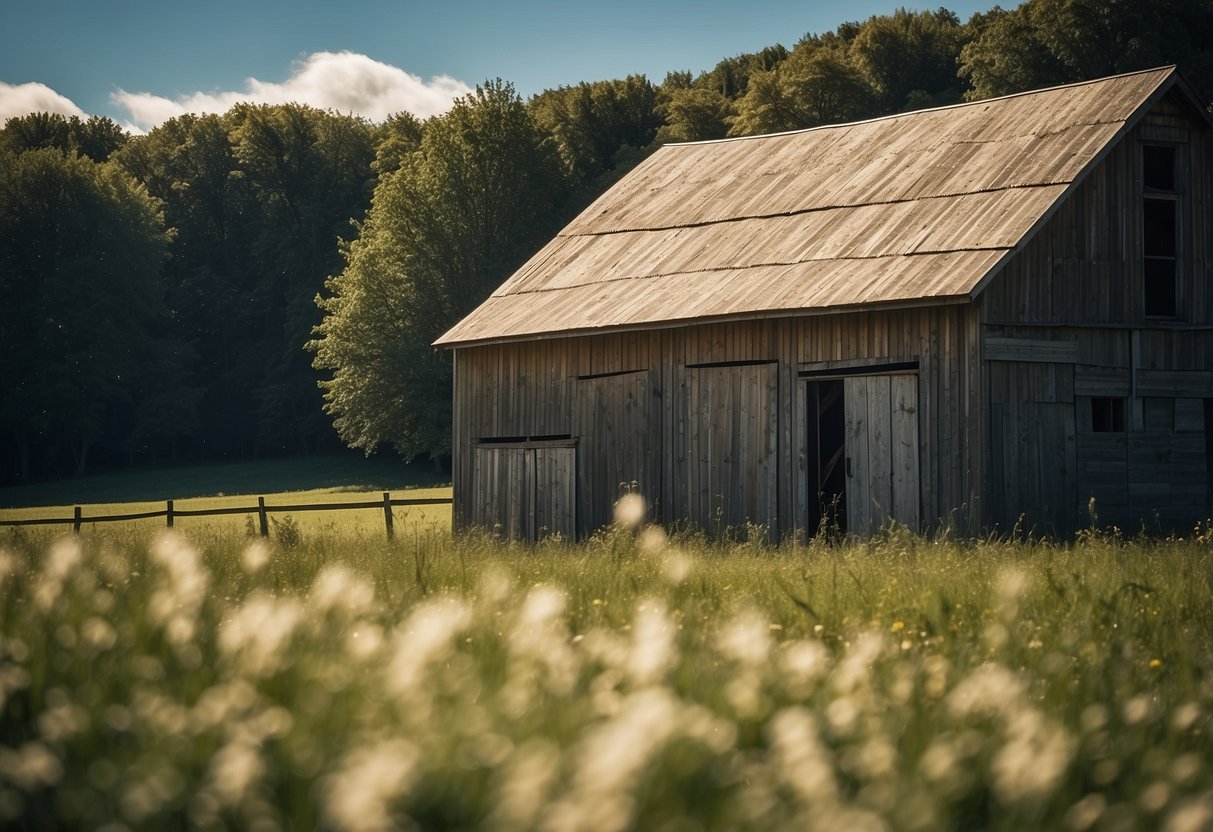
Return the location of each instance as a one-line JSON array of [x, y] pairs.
[[262, 510]]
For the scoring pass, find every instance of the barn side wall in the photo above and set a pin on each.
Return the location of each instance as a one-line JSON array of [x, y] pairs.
[[1088, 397], [709, 421]]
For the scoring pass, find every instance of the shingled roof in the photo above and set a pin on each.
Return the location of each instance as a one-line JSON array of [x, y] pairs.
[[904, 210]]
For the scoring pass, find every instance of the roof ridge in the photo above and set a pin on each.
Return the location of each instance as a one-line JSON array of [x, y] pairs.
[[1172, 68]]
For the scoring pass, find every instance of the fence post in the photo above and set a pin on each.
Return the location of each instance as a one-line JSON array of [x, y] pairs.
[[76, 520], [168, 513], [387, 514], [265, 523]]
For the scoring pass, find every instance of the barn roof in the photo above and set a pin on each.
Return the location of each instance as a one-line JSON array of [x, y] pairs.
[[913, 208]]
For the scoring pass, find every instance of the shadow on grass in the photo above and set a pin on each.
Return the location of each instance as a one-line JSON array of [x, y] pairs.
[[343, 472]]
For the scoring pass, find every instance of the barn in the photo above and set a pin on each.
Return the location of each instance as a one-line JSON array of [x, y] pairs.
[[983, 316]]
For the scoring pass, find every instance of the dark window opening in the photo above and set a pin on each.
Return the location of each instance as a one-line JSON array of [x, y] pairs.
[[1107, 414], [1158, 167], [1160, 288], [1159, 227], [744, 363], [521, 440], [1160, 281]]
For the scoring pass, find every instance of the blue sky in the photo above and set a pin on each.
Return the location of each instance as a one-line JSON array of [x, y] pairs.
[[98, 55]]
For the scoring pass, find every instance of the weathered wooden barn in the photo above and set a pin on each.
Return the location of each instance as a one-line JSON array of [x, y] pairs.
[[976, 315]]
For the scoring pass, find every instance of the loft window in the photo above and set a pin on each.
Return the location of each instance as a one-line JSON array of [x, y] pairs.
[[1159, 247], [1160, 232], [1158, 167], [1107, 414]]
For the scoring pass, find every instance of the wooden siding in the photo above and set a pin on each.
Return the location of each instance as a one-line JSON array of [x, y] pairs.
[[1065, 334], [549, 387], [883, 482], [912, 207]]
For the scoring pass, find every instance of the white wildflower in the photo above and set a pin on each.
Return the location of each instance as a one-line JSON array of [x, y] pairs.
[[526, 782], [1186, 715], [629, 511], [1138, 709], [676, 567], [540, 651], [801, 664], [222, 704], [746, 639], [98, 634], [941, 762], [425, 638], [1193, 815], [855, 668], [62, 719], [259, 632], [800, 759], [653, 650], [653, 540], [1033, 760], [176, 603], [233, 770], [61, 562], [1154, 797], [30, 767], [1083, 814], [339, 589], [987, 691], [359, 795], [610, 760], [364, 643], [255, 557]]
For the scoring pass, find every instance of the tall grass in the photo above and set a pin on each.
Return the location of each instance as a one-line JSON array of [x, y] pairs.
[[216, 681]]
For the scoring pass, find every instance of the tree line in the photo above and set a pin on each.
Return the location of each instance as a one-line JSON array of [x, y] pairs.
[[268, 281]]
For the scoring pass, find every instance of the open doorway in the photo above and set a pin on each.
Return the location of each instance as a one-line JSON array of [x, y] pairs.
[[862, 450], [826, 461]]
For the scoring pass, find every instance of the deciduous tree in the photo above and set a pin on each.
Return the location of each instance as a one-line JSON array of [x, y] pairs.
[[462, 211]]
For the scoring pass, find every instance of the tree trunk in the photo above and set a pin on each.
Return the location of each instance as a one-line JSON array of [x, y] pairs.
[[80, 454]]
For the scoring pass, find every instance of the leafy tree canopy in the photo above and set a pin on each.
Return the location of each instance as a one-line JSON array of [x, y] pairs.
[[459, 214], [96, 137]]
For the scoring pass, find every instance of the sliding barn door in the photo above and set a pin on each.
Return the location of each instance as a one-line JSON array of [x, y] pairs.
[[619, 444], [525, 491], [882, 451], [731, 446]]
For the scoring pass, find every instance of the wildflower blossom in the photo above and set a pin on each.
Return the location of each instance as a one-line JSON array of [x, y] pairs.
[[629, 511], [359, 795]]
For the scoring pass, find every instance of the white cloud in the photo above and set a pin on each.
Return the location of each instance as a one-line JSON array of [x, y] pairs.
[[346, 82], [22, 99]]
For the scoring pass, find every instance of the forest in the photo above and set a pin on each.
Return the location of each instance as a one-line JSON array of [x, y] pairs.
[[268, 281]]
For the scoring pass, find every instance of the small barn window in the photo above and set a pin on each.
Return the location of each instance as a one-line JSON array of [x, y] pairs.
[[1158, 167], [1107, 414]]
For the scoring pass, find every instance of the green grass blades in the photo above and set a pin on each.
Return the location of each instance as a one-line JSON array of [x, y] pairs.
[[210, 680]]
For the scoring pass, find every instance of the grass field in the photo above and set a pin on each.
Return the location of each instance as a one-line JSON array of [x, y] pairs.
[[332, 473], [212, 681], [317, 479]]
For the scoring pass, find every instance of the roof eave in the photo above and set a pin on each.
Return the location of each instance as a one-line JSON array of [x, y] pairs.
[[677, 323]]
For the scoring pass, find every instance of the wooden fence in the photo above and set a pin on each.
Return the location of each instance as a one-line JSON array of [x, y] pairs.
[[170, 513]]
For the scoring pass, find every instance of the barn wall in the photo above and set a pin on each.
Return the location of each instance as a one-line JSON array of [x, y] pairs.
[[709, 420], [1066, 339]]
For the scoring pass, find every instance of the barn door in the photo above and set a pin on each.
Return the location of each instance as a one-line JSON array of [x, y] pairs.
[[619, 431], [881, 451], [731, 446], [525, 490]]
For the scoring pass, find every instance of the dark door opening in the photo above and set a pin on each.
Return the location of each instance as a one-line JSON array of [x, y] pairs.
[[826, 446]]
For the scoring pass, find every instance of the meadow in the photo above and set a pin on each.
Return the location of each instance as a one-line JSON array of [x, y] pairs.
[[206, 679]]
